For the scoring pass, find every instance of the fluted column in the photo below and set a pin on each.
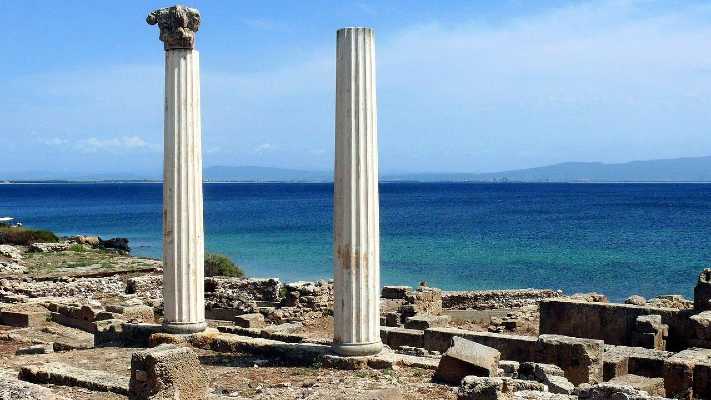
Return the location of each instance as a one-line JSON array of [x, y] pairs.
[[183, 241], [356, 225]]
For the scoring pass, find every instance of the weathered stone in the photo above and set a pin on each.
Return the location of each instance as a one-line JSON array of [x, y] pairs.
[[636, 300], [509, 369], [559, 385], [538, 371], [464, 358], [480, 388], [44, 348], [395, 292], [254, 320], [702, 291], [167, 371], [65, 375], [496, 299], [511, 347], [702, 380], [679, 371], [650, 332], [634, 360], [392, 319], [423, 322], [177, 24], [49, 247], [386, 359], [398, 337], [653, 386], [12, 388], [22, 315], [581, 359], [10, 252]]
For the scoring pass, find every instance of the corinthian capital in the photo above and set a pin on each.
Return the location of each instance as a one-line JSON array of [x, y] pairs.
[[177, 24]]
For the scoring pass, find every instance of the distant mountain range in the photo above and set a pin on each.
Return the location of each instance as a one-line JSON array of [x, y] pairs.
[[689, 169]]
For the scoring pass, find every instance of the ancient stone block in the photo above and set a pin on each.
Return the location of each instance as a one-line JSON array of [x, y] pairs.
[[397, 337], [65, 375], [653, 386], [511, 347], [395, 292], [480, 388], [24, 319], [636, 300], [392, 319], [464, 358], [702, 380], [423, 322], [650, 332], [12, 388], [678, 371], [614, 365], [509, 369], [44, 348], [581, 359], [254, 320], [167, 371], [702, 291]]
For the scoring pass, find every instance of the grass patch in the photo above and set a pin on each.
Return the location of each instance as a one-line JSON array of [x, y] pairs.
[[77, 248], [221, 265], [25, 236]]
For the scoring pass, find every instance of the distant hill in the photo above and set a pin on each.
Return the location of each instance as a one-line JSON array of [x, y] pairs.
[[689, 169], [262, 174]]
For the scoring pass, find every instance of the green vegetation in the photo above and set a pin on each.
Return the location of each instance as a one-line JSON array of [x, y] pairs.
[[77, 248], [221, 265], [25, 236]]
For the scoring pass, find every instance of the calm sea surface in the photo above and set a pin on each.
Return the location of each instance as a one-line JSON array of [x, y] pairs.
[[619, 239]]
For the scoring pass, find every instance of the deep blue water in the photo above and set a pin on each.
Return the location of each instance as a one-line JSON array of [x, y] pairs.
[[618, 239]]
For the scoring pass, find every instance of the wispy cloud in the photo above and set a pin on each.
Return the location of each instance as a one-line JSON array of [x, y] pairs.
[[119, 144], [263, 148]]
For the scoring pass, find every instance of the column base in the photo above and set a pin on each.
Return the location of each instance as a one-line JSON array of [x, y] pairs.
[[184, 328], [358, 349]]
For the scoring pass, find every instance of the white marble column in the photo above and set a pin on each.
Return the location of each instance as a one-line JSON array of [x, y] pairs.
[[183, 241], [355, 210]]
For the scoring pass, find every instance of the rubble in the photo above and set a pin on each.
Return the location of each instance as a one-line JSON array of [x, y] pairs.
[[167, 371], [465, 358]]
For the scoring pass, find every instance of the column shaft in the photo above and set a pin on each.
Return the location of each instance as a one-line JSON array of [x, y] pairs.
[[183, 242], [356, 208]]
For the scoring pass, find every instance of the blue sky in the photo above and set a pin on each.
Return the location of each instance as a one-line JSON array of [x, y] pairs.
[[462, 86]]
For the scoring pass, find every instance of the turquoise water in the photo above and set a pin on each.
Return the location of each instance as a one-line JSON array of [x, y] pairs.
[[615, 238]]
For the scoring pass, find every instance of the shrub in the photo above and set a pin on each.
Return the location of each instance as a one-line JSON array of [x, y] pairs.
[[221, 265], [25, 237], [76, 247]]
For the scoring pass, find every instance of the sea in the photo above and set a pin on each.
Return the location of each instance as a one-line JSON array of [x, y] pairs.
[[618, 239]]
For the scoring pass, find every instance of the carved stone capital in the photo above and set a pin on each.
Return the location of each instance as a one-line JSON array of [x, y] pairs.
[[177, 24]]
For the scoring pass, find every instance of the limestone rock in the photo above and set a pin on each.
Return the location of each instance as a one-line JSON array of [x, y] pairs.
[[464, 358], [395, 292], [177, 24], [49, 247], [44, 348], [253, 320], [636, 300], [65, 375], [12, 388], [167, 372], [423, 322], [10, 252]]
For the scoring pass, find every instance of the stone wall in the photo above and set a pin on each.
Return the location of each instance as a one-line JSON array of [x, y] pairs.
[[613, 323], [496, 299]]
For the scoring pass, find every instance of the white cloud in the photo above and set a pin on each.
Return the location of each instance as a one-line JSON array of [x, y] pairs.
[[118, 144], [263, 148]]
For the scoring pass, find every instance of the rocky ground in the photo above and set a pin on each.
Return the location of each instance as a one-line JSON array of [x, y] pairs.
[[73, 303]]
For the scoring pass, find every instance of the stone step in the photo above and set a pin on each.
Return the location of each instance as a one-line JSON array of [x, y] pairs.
[[65, 375]]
